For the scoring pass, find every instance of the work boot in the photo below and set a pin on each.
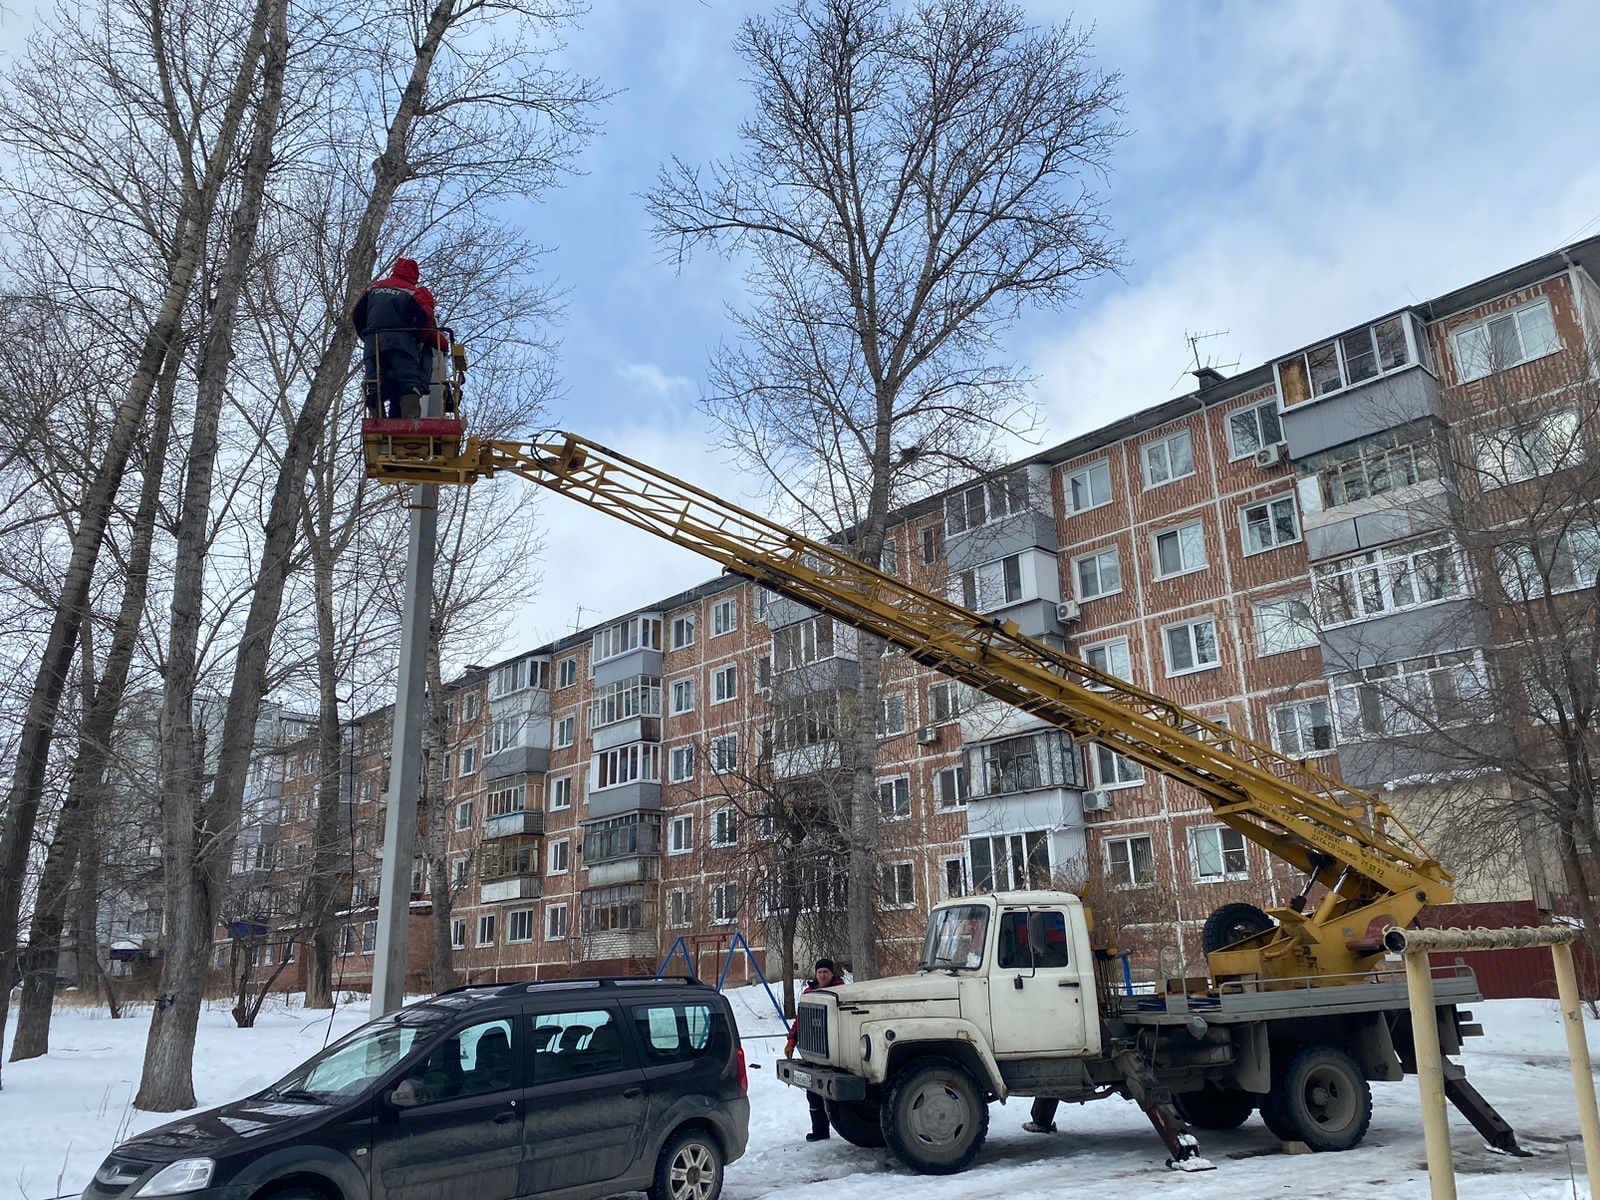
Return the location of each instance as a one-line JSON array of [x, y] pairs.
[[814, 1136], [1035, 1127]]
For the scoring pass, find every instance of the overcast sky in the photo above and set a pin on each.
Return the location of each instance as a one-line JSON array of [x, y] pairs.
[[1291, 169]]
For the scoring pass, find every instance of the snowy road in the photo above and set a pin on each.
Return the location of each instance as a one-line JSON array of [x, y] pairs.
[[60, 1115]]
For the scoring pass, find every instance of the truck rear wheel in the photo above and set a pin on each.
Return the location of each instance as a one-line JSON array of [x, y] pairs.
[[935, 1117], [1213, 1107], [856, 1122], [1232, 923], [1323, 1099]]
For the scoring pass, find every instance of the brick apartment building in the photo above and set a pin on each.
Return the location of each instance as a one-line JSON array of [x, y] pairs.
[[1274, 550]]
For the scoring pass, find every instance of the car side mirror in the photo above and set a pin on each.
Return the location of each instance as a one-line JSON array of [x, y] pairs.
[[406, 1094]]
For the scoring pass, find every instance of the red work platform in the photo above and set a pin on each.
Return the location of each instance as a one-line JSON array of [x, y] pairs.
[[415, 449]]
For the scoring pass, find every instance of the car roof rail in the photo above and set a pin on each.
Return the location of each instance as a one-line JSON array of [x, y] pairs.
[[505, 988]]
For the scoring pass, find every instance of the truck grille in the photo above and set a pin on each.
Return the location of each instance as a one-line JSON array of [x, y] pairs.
[[812, 1021]]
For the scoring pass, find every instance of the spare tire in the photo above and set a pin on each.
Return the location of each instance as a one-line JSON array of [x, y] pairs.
[[1233, 923]]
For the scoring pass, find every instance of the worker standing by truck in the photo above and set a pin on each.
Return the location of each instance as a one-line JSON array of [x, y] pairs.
[[824, 975]]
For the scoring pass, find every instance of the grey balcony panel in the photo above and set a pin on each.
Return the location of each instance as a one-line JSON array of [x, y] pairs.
[[518, 887], [622, 733], [512, 824], [827, 675], [516, 761], [1009, 535], [1368, 408], [806, 760], [1036, 618], [1415, 760], [782, 611], [1331, 540], [628, 797], [635, 869], [1393, 524], [1435, 629], [626, 666]]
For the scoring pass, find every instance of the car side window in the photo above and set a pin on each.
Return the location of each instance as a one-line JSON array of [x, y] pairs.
[[569, 1045], [679, 1032], [470, 1062], [1030, 940]]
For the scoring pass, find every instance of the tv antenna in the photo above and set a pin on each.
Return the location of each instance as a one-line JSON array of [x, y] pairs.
[[1193, 339]]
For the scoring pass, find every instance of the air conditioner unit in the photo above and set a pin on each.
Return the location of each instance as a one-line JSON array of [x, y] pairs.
[[1269, 456], [1096, 800], [927, 735], [1068, 610]]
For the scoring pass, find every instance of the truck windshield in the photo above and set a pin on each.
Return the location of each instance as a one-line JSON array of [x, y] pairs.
[[956, 937]]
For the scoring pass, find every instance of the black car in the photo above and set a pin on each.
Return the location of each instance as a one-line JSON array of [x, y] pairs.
[[570, 1089]]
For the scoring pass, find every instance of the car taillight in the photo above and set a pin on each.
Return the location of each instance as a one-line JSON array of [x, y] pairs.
[[744, 1074]]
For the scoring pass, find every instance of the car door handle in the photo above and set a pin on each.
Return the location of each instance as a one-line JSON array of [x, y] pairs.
[[633, 1093], [505, 1118], [1069, 983]]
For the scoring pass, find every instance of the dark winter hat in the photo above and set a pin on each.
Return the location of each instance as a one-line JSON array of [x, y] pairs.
[[825, 964]]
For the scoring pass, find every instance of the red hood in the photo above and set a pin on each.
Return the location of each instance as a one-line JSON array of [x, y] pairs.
[[405, 270]]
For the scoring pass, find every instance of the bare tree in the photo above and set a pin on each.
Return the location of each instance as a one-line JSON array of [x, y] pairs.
[[910, 179]]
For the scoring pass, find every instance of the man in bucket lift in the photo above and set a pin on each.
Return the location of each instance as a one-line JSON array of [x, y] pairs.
[[398, 336]]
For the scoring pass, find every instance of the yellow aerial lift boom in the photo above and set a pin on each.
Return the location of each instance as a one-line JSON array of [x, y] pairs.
[[1372, 870]]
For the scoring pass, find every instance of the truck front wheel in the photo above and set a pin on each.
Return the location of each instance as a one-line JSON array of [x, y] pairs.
[[1323, 1099], [856, 1122], [1213, 1107], [935, 1117]]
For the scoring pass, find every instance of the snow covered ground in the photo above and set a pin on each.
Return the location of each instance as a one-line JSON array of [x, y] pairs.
[[59, 1116]]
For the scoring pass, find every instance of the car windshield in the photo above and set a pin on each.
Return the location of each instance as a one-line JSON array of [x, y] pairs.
[[955, 938], [352, 1064]]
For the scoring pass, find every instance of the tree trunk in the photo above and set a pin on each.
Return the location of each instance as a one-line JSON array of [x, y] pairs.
[[171, 1046], [862, 730], [86, 914]]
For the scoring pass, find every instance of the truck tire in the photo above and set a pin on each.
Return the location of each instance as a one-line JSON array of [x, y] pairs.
[[1213, 1107], [935, 1116], [1232, 923], [1323, 1099], [856, 1122]]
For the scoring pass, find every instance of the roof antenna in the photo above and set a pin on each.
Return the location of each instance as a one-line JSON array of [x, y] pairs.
[[577, 617], [1208, 374]]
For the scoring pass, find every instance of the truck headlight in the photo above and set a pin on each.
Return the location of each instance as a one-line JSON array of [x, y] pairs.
[[866, 1048], [185, 1175]]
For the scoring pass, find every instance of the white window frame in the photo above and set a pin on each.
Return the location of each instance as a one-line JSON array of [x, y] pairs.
[[891, 704], [680, 834], [683, 624], [1385, 564], [463, 807], [683, 689], [1113, 771], [1302, 728], [555, 915], [724, 753], [1177, 531], [1088, 474], [511, 925], [1254, 411], [1394, 719], [1505, 456], [1130, 879], [890, 877], [561, 797], [1194, 646], [965, 872], [721, 912], [724, 616], [566, 732], [896, 784], [1525, 569], [458, 933], [1086, 652], [1222, 833], [1148, 458], [1467, 372], [470, 706], [730, 674], [1269, 507], [1274, 614], [486, 929], [1114, 552], [958, 773], [469, 759], [567, 672], [680, 756], [724, 827], [683, 899], [564, 846]]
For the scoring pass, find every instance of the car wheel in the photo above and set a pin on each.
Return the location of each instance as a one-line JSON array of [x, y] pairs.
[[690, 1168], [935, 1117], [1323, 1099], [856, 1122], [1213, 1107]]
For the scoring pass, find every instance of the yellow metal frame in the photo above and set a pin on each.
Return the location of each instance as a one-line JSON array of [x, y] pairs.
[[1374, 870]]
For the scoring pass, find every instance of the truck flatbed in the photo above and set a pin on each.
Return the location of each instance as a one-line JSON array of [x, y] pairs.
[[1378, 993]]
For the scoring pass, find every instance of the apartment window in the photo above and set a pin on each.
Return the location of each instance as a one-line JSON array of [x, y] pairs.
[[990, 585], [347, 944], [566, 729], [724, 903], [897, 884], [725, 753], [1010, 862], [950, 787], [1130, 861], [930, 544], [954, 877], [1024, 763], [889, 557], [1111, 656], [369, 936], [725, 827], [566, 672], [470, 705], [992, 500], [449, 712], [517, 676], [1561, 564], [1388, 579], [1168, 458], [1358, 356], [469, 759], [1410, 697], [764, 674], [1089, 487], [1502, 341], [625, 700], [1181, 550], [764, 598], [804, 642], [486, 929], [519, 925], [680, 764], [891, 714], [725, 684], [1217, 852], [1548, 443], [1284, 624], [894, 797], [464, 815], [561, 793], [633, 763], [458, 933], [680, 908], [555, 922], [724, 616], [948, 699], [506, 800], [1191, 646], [1301, 729], [682, 696], [680, 834], [507, 731], [560, 856], [1098, 574], [458, 873], [444, 766], [683, 631], [1268, 525], [1113, 770], [1251, 429], [1374, 466]]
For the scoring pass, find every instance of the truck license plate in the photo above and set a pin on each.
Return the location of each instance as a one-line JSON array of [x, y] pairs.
[[800, 1078]]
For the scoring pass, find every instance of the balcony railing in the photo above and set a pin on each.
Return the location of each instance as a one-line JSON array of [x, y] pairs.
[[512, 824]]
